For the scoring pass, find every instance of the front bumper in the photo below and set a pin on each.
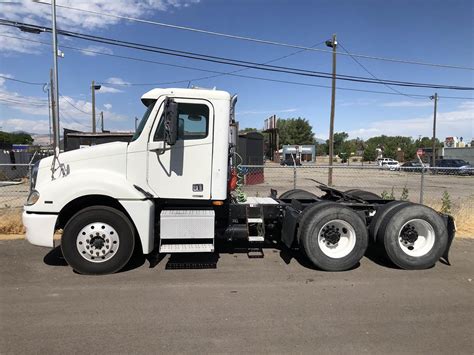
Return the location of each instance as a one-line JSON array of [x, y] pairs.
[[40, 228]]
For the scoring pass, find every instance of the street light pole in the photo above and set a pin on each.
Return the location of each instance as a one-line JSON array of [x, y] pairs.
[[332, 44], [93, 106], [55, 88], [94, 87], [435, 98]]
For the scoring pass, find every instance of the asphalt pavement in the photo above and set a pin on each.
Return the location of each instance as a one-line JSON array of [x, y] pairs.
[[277, 304]]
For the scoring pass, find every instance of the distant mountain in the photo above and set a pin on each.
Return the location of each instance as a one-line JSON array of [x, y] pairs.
[[320, 141], [41, 139]]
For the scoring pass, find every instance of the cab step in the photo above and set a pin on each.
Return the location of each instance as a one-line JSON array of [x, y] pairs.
[[255, 253], [255, 224], [187, 248]]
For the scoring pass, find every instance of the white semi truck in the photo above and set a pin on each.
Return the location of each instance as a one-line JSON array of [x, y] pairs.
[[170, 188]]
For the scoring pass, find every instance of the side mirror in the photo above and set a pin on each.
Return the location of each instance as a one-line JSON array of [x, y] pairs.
[[171, 122]]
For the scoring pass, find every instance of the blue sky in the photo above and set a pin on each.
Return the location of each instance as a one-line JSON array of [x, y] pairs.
[[429, 31]]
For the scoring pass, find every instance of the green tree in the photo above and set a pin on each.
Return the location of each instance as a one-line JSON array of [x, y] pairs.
[[391, 144], [322, 148], [339, 139], [248, 129], [295, 131], [16, 138], [370, 153]]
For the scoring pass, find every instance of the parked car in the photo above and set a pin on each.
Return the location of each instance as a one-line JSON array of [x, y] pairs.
[[391, 165], [381, 161], [453, 166], [413, 166], [290, 162]]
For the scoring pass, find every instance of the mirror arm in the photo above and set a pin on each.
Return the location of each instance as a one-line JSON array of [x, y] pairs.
[[159, 147]]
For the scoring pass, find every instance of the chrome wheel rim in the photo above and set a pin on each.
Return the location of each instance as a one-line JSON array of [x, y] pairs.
[[337, 239], [97, 242], [416, 237]]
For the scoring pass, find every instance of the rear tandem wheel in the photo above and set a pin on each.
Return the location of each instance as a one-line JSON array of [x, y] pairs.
[[333, 237]]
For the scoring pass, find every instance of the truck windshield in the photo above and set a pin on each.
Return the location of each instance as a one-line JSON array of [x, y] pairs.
[[150, 104]]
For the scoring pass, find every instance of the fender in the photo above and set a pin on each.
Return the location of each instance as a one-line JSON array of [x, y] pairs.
[[56, 194]]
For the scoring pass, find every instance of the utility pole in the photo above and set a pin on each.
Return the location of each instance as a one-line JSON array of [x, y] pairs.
[[55, 85], [93, 106], [435, 98], [136, 123], [53, 111], [333, 45], [102, 121], [49, 116]]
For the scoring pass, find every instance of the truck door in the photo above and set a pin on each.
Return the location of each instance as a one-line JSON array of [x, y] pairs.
[[184, 170]]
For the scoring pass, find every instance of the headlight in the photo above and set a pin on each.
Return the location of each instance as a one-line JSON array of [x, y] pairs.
[[33, 198], [34, 176]]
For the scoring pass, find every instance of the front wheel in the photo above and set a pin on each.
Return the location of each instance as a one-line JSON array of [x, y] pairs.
[[333, 237], [98, 240]]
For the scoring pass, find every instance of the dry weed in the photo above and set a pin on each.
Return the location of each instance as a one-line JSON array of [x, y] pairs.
[[10, 222]]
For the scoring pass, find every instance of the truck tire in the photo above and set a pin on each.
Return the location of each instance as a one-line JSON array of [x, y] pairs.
[[298, 194], [333, 237], [414, 236], [366, 195], [98, 240], [379, 217]]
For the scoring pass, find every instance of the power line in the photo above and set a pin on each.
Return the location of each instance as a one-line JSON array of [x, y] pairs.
[[70, 118], [24, 98], [371, 74], [217, 72], [71, 104], [228, 61], [256, 40], [20, 81], [253, 65], [213, 76], [22, 102]]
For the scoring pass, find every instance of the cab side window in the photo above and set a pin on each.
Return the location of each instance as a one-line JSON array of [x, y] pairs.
[[193, 122]]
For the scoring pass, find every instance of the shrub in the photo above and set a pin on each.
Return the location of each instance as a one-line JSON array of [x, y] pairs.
[[404, 195], [446, 203]]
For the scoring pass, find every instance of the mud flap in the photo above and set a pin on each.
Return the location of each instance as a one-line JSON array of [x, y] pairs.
[[288, 232], [451, 227]]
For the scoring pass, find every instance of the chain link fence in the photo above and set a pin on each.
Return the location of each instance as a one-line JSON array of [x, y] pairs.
[[14, 185], [427, 185], [418, 185]]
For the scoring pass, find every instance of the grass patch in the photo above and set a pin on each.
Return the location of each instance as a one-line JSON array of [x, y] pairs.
[[10, 222], [463, 216]]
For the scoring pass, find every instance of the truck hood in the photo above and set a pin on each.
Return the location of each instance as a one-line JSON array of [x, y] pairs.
[[109, 156]]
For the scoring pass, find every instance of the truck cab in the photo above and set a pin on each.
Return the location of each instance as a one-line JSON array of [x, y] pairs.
[[170, 188]]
